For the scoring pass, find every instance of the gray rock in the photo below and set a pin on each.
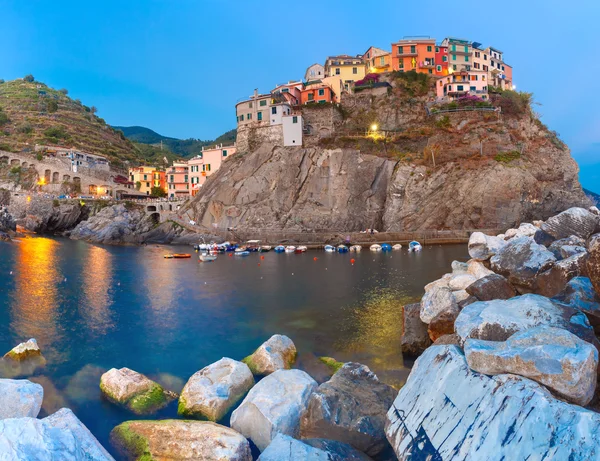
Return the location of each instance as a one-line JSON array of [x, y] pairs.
[[466, 415], [286, 448], [414, 332], [274, 406], [483, 247], [212, 391], [579, 294], [459, 267], [452, 339], [543, 238], [350, 408], [23, 360], [437, 299], [60, 436], [478, 269], [524, 230], [498, 320], [174, 439], [521, 260], [554, 280], [24, 351], [593, 261], [277, 353], [7, 222], [134, 391], [574, 221], [491, 287], [338, 451], [572, 241], [20, 398], [551, 356]]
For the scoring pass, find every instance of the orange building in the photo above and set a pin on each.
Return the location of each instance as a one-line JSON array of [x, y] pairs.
[[316, 92], [416, 54], [177, 180], [377, 60], [159, 179]]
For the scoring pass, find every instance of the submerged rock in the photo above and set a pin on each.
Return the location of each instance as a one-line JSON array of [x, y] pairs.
[[20, 398], [173, 439], [482, 247], [28, 350], [497, 320], [350, 408], [414, 331], [318, 368], [274, 406], [490, 287], [470, 416], [134, 391], [574, 221], [551, 356], [521, 260], [60, 436], [277, 353], [212, 391], [82, 386]]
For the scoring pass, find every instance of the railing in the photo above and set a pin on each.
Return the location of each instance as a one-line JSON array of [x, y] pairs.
[[463, 109]]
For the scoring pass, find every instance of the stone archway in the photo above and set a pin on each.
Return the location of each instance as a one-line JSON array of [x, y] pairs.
[[55, 177], [15, 162], [47, 176], [4, 159], [155, 217], [151, 208], [66, 178], [24, 164]]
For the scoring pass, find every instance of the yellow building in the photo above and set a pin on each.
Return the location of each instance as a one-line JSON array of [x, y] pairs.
[[144, 175], [377, 60], [348, 68]]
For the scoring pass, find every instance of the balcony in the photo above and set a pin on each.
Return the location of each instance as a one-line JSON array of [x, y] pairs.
[[460, 53], [427, 65], [407, 54]]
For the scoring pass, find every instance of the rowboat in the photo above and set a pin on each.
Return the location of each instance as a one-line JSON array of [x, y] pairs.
[[241, 252], [386, 247], [329, 248], [178, 256], [397, 246], [414, 246], [301, 249], [279, 249], [265, 248], [206, 258], [355, 248], [290, 249], [342, 249], [375, 247]]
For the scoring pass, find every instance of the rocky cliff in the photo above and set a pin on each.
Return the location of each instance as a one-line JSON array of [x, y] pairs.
[[468, 170]]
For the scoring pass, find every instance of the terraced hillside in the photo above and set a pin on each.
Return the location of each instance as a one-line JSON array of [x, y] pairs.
[[33, 113]]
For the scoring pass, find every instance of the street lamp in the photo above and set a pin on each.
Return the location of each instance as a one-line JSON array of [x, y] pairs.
[[374, 127]]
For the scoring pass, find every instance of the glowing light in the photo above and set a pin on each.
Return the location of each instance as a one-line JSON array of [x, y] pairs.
[[374, 127], [514, 87], [41, 181], [28, 198]]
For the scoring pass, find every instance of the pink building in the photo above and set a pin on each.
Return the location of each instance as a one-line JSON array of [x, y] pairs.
[[205, 164], [457, 84], [177, 180], [289, 91]]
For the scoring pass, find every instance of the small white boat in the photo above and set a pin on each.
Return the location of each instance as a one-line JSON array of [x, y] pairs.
[[265, 248], [375, 247], [355, 248], [241, 251], [397, 246], [207, 258], [414, 246], [290, 249], [301, 249], [329, 248]]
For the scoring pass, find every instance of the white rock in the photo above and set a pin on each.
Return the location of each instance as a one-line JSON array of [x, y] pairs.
[[286, 448], [460, 295], [524, 230], [436, 300], [498, 319], [277, 353], [459, 267], [24, 351], [594, 210], [20, 398], [482, 247], [212, 391], [60, 436], [445, 411], [477, 269], [442, 282], [551, 356], [460, 282], [274, 406]]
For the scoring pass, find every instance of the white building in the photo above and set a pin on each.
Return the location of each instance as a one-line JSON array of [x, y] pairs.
[[292, 130]]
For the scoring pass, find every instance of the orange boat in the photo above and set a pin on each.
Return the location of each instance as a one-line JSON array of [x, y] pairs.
[[178, 256]]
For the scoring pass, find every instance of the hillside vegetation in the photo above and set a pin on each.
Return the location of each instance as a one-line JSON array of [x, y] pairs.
[[183, 147]]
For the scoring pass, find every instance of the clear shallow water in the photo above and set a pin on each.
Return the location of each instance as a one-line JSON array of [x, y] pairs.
[[92, 308]]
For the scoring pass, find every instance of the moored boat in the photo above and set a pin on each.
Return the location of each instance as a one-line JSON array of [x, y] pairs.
[[397, 246], [206, 258], [290, 249], [355, 248], [301, 249], [279, 249], [253, 245], [386, 247], [241, 252], [414, 246], [265, 248], [178, 256], [342, 249], [375, 247], [329, 248]]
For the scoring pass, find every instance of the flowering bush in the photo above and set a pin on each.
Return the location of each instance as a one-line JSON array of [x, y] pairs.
[[369, 78]]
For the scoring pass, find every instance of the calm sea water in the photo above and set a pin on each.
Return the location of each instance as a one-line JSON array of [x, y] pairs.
[[92, 308]]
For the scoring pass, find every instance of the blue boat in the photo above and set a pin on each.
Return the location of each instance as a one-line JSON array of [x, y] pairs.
[[342, 249], [414, 246], [386, 247], [279, 249], [240, 252], [329, 248]]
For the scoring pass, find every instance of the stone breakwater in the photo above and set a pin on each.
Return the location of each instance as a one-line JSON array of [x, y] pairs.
[[507, 368]]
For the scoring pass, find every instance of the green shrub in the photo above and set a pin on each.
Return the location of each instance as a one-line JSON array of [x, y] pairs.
[[64, 91], [52, 106], [507, 157], [25, 128], [39, 156], [3, 118], [443, 122], [55, 203], [513, 102], [29, 78], [56, 132]]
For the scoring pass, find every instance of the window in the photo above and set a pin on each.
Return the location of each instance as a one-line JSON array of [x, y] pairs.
[[400, 50], [186, 178], [147, 184], [242, 118], [429, 48], [285, 90], [445, 58], [172, 178], [311, 96], [250, 105], [466, 49], [259, 116], [431, 71], [466, 59], [449, 87], [224, 153], [413, 49], [453, 47], [486, 68], [485, 57], [502, 67], [355, 70], [459, 88], [473, 77], [472, 88], [437, 49], [263, 102], [273, 110], [401, 65], [294, 119], [382, 61], [208, 167], [453, 66], [483, 77], [441, 83], [438, 69], [203, 167], [322, 92], [477, 54], [337, 71], [454, 57]]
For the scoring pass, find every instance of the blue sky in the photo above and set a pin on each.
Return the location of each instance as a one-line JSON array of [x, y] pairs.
[[179, 66]]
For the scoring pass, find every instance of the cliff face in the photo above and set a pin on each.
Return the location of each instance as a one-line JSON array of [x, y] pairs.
[[488, 173]]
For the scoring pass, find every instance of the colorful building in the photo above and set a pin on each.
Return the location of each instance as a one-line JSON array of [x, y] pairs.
[[254, 111], [178, 180], [377, 60], [316, 92], [348, 68], [457, 84], [206, 163], [160, 179], [491, 60], [314, 72], [143, 178], [460, 54], [441, 60], [416, 54], [289, 91]]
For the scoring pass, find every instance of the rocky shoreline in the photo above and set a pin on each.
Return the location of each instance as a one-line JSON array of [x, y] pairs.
[[507, 368]]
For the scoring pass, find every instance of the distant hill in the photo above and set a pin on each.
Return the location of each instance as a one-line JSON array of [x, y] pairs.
[[183, 147], [593, 196]]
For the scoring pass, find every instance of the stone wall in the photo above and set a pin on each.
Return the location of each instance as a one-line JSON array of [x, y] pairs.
[[250, 137], [319, 122]]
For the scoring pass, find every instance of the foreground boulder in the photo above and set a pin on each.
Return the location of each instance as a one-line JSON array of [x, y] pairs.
[[579, 294], [554, 280], [20, 398], [60, 436], [561, 247], [277, 353], [482, 247], [524, 230], [350, 408], [470, 416], [438, 298], [442, 324], [212, 391], [134, 391], [274, 406], [551, 356], [521, 260], [574, 221], [498, 320], [174, 439], [285, 448], [490, 287], [414, 331]]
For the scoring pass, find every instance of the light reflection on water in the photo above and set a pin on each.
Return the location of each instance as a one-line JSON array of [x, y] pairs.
[[128, 306]]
